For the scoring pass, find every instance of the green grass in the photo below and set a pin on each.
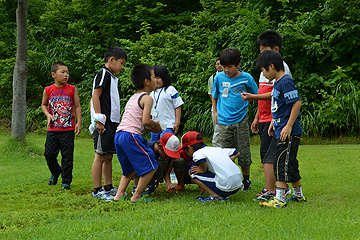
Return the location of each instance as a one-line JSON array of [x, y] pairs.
[[30, 209]]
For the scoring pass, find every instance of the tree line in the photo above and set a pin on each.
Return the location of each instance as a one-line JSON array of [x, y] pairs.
[[320, 46]]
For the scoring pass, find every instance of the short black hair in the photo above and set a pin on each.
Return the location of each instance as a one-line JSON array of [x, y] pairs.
[[55, 66], [139, 73], [230, 56], [270, 38], [268, 57], [115, 52], [163, 73]]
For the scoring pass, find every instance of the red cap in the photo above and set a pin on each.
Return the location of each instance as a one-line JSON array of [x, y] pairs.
[[170, 145], [190, 138]]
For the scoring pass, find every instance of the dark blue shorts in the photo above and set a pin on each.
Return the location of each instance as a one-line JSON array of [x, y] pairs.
[[134, 153], [208, 178], [156, 136]]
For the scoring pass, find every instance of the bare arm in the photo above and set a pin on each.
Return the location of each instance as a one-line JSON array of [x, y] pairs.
[[255, 123], [250, 97], [214, 104], [199, 169], [177, 119], [146, 102], [167, 178], [233, 157], [77, 112], [286, 131], [97, 107], [44, 108]]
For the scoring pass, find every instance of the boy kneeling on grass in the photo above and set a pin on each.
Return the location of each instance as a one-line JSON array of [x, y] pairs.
[[215, 170]]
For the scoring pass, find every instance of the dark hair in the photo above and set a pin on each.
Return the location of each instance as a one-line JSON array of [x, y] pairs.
[[163, 73], [270, 38], [115, 52], [55, 66], [217, 60], [139, 73], [230, 56], [268, 57]]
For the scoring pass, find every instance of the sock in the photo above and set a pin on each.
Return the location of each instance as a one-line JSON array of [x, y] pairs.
[[298, 192], [108, 187], [246, 178], [96, 190], [280, 193]]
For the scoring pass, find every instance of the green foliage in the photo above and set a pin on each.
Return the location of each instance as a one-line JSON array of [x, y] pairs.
[[320, 46]]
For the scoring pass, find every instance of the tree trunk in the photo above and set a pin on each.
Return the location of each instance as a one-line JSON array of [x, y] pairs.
[[18, 122]]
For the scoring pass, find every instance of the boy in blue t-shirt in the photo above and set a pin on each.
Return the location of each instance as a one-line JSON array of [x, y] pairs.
[[285, 108], [230, 110]]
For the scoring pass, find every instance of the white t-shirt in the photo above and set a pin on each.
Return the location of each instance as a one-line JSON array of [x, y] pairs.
[[227, 174], [164, 105]]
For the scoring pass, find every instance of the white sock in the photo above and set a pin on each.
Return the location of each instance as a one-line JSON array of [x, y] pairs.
[[298, 192], [280, 193]]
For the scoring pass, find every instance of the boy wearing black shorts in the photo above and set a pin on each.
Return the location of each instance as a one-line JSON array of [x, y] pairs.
[[285, 126], [105, 114]]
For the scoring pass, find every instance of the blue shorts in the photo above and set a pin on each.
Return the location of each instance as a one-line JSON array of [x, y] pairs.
[[208, 178], [156, 136], [134, 153]]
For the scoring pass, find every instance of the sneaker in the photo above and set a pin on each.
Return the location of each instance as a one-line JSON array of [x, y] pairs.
[[134, 189], [211, 198], [275, 203], [150, 189], [288, 190], [111, 198], [65, 186], [111, 192], [53, 180], [294, 198], [100, 194], [265, 195], [246, 185]]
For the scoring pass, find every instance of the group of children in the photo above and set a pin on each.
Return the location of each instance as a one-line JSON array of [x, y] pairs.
[[156, 107]]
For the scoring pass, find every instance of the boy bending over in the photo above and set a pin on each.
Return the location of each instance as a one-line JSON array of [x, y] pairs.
[[215, 170]]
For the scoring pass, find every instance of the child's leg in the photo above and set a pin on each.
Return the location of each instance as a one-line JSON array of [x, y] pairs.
[[124, 182], [67, 153], [107, 169], [97, 168], [52, 148], [143, 182], [269, 176], [206, 188]]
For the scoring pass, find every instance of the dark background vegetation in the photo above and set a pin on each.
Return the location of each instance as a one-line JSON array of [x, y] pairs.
[[321, 47]]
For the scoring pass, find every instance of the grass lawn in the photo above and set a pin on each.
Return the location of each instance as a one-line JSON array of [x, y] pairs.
[[31, 209]]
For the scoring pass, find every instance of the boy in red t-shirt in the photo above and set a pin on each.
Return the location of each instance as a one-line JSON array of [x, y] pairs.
[[58, 103]]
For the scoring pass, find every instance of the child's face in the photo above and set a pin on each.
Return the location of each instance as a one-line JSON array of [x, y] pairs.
[[152, 82], [270, 73], [159, 83], [61, 76], [218, 66], [231, 70], [189, 151], [116, 66], [263, 48], [162, 152]]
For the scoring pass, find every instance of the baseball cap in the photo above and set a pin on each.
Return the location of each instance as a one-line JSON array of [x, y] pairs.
[[190, 138], [170, 145]]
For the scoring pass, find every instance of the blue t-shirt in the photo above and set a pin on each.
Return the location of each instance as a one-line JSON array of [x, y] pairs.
[[284, 95], [231, 107]]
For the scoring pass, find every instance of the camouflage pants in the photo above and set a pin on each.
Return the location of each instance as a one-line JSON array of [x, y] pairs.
[[237, 136]]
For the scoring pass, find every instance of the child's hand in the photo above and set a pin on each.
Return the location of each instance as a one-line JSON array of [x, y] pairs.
[[176, 128], [196, 169], [271, 129], [255, 126], [156, 128], [285, 133], [50, 119], [77, 128], [171, 186], [246, 96], [100, 127]]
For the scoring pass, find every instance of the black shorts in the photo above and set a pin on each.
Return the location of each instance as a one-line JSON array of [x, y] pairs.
[[283, 154], [265, 140], [105, 143]]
